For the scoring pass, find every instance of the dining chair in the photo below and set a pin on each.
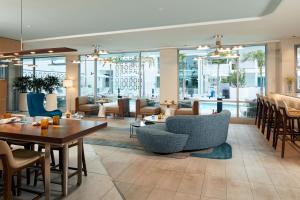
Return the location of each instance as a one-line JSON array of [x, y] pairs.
[[13, 162]]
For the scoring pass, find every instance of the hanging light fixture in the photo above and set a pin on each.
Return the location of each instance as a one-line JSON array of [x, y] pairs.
[[14, 57], [96, 53], [220, 51]]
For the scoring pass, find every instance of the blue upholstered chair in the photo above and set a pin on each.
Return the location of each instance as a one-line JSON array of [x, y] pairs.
[[185, 133], [35, 102]]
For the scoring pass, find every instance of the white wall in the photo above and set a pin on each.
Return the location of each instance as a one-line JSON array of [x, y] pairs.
[[169, 75]]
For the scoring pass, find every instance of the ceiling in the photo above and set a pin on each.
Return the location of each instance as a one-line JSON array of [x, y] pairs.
[[141, 25]]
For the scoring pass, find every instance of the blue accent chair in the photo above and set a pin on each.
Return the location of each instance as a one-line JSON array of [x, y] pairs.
[[35, 102], [185, 133]]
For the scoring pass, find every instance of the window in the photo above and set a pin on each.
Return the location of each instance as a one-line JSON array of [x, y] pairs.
[[44, 66], [235, 80], [132, 75], [298, 67]]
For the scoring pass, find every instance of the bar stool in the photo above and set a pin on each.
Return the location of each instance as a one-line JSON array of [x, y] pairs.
[[260, 111], [13, 162], [265, 114], [271, 122], [257, 108], [286, 127]]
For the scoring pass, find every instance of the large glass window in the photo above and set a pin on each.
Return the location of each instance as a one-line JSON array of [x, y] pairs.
[[42, 67], [235, 80], [298, 67], [131, 75]]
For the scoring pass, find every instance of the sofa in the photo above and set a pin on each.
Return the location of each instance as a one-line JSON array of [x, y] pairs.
[[187, 108], [185, 133], [86, 105], [146, 107]]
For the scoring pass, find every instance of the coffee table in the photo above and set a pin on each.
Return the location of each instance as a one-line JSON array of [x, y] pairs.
[[154, 119], [135, 124]]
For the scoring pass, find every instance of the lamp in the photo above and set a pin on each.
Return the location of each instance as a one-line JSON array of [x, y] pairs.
[[67, 83]]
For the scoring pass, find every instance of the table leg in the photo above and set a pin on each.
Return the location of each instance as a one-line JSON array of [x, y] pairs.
[[47, 171], [65, 169], [79, 161]]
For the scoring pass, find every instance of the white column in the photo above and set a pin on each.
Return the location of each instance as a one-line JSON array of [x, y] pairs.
[[169, 75], [272, 67], [72, 73]]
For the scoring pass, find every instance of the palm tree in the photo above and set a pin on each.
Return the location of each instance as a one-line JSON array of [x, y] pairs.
[[259, 57]]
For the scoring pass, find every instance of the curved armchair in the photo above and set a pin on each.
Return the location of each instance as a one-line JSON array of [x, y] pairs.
[[185, 133], [35, 102]]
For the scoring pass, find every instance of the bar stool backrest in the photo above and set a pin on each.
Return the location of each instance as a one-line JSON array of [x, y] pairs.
[[6, 151]]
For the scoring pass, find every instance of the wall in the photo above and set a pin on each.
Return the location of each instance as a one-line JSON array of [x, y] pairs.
[[9, 45], [168, 75], [72, 71]]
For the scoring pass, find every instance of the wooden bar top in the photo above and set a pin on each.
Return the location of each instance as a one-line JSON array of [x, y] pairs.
[[295, 95], [67, 131]]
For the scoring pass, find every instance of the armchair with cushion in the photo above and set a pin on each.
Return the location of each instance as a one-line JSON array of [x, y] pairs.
[[187, 108], [35, 102], [185, 133], [86, 105], [146, 107]]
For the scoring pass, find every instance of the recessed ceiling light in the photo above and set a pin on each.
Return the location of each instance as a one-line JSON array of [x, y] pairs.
[[237, 47], [75, 61], [32, 52], [16, 54], [50, 51], [203, 47]]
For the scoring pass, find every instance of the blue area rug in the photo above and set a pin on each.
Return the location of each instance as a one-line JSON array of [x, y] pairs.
[[223, 151], [112, 144]]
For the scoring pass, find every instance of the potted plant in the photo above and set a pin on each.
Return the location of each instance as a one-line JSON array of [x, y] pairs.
[[51, 83], [37, 84], [23, 85], [290, 81]]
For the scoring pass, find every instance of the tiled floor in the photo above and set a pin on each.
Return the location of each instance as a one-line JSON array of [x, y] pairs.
[[256, 171]]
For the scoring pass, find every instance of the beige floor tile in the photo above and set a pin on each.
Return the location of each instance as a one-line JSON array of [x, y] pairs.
[[237, 190], [138, 192], [170, 180], [236, 173], [159, 194], [283, 179], [123, 187], [183, 196], [113, 194], [214, 187], [178, 164], [196, 165], [258, 175], [191, 184], [150, 178], [288, 193], [216, 167], [264, 192]]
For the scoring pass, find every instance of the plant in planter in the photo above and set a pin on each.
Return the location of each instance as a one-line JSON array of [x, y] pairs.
[[38, 84], [23, 84], [51, 83]]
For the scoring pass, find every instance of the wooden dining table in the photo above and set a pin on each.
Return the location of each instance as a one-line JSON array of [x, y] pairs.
[[67, 132]]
